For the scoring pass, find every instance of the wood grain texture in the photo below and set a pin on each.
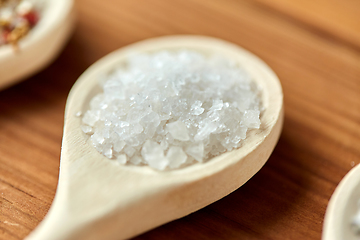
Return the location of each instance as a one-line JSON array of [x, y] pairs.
[[336, 18], [287, 199]]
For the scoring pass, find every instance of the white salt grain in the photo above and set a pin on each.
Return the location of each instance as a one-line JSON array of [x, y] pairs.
[[196, 108], [168, 109], [121, 158], [205, 131], [90, 118], [217, 105], [136, 160], [119, 145], [154, 155], [251, 119], [196, 151], [129, 151], [176, 156], [86, 129], [108, 152], [178, 130]]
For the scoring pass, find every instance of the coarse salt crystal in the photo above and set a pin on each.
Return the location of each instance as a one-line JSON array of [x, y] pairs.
[[196, 151], [121, 158], [86, 128], [136, 160], [176, 156], [168, 108], [178, 130]]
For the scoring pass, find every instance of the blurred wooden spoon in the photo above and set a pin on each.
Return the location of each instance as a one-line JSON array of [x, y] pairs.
[[343, 206], [42, 44]]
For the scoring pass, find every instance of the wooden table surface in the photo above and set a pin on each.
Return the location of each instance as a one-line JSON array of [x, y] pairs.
[[313, 46]]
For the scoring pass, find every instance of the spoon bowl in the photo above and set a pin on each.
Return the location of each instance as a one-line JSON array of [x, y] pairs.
[[97, 198], [41, 45]]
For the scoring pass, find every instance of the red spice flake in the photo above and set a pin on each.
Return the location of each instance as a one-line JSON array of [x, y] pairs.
[[32, 17]]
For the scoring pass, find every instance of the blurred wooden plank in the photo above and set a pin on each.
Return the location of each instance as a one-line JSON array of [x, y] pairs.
[[338, 18]]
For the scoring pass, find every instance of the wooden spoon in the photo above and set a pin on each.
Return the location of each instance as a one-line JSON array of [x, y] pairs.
[[342, 208], [42, 44], [98, 199]]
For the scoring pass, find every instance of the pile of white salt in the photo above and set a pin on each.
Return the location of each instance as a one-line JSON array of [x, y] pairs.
[[170, 109]]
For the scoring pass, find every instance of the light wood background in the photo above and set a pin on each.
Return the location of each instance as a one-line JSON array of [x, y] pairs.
[[313, 46]]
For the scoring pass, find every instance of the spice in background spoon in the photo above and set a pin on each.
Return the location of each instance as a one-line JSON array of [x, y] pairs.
[[17, 17]]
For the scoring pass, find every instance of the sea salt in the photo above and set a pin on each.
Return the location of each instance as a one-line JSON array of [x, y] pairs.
[[178, 130], [172, 109]]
